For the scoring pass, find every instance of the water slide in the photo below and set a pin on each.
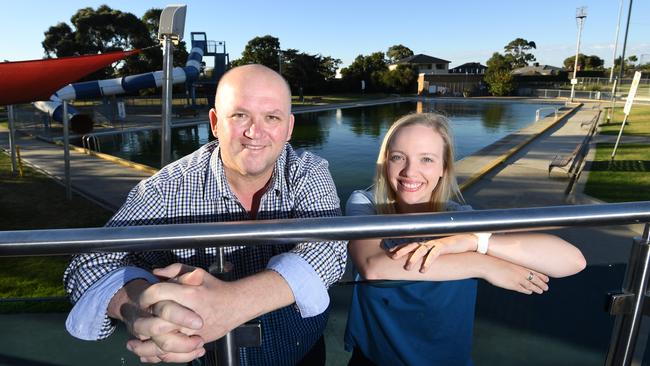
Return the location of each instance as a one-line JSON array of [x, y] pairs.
[[126, 84]]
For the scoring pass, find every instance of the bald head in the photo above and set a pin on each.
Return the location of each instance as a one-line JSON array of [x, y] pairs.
[[249, 75]]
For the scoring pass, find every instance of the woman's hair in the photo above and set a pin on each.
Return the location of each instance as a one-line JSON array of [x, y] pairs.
[[447, 187]]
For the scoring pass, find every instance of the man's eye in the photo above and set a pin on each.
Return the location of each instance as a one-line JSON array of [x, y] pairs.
[[239, 115], [274, 118]]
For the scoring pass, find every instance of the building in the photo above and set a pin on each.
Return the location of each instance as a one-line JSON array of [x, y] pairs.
[[469, 68], [537, 69], [424, 64]]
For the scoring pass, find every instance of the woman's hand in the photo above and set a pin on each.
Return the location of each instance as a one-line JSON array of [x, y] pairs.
[[514, 277], [422, 254]]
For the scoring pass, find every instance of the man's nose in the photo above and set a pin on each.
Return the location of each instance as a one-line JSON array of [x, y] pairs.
[[254, 129]]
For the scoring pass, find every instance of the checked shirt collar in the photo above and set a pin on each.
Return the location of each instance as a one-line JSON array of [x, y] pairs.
[[217, 188]]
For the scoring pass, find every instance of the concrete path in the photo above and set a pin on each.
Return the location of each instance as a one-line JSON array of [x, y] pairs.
[[99, 180]]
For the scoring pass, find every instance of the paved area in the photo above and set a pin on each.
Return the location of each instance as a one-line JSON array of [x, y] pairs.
[[518, 180]]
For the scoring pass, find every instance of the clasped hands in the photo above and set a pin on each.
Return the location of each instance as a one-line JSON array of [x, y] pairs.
[[496, 271], [174, 319]]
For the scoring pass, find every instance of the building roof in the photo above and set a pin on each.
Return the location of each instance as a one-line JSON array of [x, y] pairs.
[[537, 69], [422, 59], [470, 65]]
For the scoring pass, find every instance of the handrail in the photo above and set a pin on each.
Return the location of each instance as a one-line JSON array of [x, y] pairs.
[[537, 114], [180, 236]]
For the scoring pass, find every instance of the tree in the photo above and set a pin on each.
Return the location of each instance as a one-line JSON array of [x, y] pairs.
[[261, 50], [517, 52], [498, 75], [309, 72], [629, 65], [585, 63], [403, 79], [398, 52], [367, 68], [105, 30]]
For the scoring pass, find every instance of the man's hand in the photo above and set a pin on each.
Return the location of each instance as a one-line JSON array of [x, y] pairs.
[[164, 331], [221, 305], [194, 288]]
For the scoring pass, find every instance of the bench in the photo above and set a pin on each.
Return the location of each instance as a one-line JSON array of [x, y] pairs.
[[575, 158], [561, 161]]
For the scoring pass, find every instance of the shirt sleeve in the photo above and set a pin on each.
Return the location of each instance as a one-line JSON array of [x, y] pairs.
[[360, 203], [143, 207], [311, 267], [83, 322]]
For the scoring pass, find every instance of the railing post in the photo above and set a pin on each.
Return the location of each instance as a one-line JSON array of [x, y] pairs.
[[226, 348], [629, 305]]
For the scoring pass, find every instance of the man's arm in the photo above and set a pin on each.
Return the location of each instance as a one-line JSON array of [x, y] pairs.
[[311, 267]]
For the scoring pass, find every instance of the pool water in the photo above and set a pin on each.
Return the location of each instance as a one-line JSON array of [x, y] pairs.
[[348, 138]]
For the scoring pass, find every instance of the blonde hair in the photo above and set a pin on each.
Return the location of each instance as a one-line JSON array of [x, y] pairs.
[[447, 187]]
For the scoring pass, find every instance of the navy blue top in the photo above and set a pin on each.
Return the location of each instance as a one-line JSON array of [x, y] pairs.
[[417, 323]]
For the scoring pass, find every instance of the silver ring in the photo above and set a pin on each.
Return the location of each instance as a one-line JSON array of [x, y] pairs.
[[530, 276]]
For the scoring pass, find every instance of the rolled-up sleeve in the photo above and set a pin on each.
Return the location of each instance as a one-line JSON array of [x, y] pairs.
[[310, 268]]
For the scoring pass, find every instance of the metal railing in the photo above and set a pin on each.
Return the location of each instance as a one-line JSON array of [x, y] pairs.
[[563, 93], [538, 114], [629, 305]]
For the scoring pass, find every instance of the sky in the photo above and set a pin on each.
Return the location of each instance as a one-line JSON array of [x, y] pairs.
[[467, 31]]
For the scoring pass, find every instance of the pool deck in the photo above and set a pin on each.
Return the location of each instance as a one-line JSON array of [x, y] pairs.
[[515, 179]]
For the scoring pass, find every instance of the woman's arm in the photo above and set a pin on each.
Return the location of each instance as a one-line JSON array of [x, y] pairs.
[[373, 263], [544, 253]]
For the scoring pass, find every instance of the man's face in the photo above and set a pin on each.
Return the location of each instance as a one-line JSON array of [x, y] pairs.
[[252, 121]]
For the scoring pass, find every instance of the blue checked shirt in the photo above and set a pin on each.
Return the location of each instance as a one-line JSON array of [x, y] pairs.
[[194, 190]]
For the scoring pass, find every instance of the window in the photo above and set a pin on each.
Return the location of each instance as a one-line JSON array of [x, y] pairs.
[[440, 66]]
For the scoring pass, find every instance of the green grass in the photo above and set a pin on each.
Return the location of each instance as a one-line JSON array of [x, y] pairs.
[[335, 98], [638, 122], [36, 202], [627, 179]]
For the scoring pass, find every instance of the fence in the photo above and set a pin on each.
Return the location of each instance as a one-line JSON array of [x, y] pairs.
[[629, 305]]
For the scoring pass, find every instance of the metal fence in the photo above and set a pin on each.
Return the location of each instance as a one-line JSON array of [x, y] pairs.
[[629, 305], [563, 93]]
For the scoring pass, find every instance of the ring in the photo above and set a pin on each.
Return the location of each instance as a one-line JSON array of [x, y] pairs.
[[530, 276]]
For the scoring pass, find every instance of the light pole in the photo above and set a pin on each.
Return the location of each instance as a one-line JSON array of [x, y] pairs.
[[171, 28], [618, 27], [581, 14]]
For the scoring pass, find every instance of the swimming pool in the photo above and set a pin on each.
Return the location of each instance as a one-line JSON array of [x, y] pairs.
[[349, 138]]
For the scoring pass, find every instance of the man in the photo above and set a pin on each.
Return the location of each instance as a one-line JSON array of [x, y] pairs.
[[249, 172]]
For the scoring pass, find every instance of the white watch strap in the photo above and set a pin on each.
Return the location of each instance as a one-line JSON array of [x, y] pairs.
[[483, 242]]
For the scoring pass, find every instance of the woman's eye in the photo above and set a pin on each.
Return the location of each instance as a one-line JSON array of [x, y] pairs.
[[395, 157], [427, 160]]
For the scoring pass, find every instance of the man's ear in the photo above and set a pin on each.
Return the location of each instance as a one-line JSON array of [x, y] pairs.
[[290, 130], [213, 121]]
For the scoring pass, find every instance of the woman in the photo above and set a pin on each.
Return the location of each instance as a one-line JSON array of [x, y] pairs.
[[430, 323]]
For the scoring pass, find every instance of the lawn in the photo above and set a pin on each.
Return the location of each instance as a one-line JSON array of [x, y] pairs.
[[638, 122], [626, 179], [37, 202], [334, 98]]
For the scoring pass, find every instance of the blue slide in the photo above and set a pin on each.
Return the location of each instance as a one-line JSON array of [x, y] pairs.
[[126, 84]]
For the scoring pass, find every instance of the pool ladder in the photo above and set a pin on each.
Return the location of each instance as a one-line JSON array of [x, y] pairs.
[[91, 142], [537, 112]]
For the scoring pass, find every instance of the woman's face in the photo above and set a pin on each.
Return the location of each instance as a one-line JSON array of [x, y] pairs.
[[414, 166]]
